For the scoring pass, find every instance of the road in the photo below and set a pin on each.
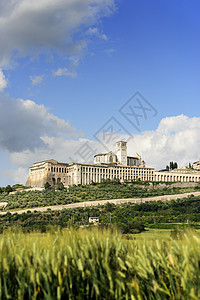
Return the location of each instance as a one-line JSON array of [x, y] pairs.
[[103, 202]]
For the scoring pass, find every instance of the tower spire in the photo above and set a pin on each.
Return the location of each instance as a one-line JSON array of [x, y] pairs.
[[122, 152]]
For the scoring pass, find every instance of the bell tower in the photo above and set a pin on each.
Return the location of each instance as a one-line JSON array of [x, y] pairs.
[[122, 152]]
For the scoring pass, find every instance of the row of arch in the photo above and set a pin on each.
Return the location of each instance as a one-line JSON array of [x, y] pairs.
[[68, 180], [174, 178], [88, 178], [58, 170]]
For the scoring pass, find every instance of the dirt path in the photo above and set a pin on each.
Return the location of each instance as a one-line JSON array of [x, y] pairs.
[[102, 202]]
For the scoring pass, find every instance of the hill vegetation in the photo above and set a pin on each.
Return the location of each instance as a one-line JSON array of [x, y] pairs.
[[106, 190], [46, 255], [128, 218]]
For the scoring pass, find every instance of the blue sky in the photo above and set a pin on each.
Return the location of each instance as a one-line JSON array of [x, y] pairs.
[[80, 61]]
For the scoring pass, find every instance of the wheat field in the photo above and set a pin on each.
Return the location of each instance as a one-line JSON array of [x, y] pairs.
[[97, 264]]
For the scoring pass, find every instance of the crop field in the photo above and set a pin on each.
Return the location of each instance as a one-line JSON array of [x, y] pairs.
[[98, 264], [161, 234], [153, 234]]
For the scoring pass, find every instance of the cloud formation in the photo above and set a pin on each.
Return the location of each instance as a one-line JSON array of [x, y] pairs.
[[36, 79], [37, 27], [3, 82], [109, 52], [23, 124], [65, 72], [176, 138], [29, 133], [95, 31]]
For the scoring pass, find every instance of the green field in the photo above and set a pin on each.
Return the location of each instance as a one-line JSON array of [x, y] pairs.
[[99, 264], [158, 234], [153, 234]]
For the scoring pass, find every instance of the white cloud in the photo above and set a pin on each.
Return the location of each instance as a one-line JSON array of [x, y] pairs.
[[95, 31], [23, 123], [3, 82], [74, 61], [28, 132], [46, 136], [20, 175], [36, 27], [65, 72], [110, 52], [176, 138], [36, 79]]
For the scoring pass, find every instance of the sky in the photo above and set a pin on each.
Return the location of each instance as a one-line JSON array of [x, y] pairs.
[[78, 75]]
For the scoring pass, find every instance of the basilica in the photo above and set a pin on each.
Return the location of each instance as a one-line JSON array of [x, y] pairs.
[[106, 166]]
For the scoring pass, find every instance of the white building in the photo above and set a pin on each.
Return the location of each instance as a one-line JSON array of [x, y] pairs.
[[94, 220], [107, 158], [106, 166], [196, 165], [120, 158]]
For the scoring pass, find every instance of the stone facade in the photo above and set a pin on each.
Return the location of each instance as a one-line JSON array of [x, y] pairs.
[[76, 173], [47, 171], [134, 160], [122, 152], [108, 158], [178, 175], [196, 165], [120, 158], [106, 166]]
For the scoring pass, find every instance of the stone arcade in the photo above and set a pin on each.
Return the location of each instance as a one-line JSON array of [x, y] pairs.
[[106, 165]]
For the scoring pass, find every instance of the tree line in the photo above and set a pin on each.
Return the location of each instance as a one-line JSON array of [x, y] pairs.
[[129, 217]]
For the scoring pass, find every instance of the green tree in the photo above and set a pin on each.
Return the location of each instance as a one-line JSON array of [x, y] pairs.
[[60, 186], [8, 189], [190, 166], [131, 227], [47, 186], [173, 165]]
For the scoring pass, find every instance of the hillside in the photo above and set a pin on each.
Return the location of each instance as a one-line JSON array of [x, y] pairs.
[[129, 218], [110, 190]]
